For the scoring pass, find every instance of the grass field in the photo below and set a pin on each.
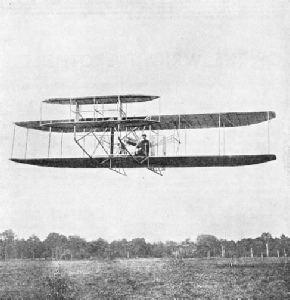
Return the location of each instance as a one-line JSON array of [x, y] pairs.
[[145, 279]]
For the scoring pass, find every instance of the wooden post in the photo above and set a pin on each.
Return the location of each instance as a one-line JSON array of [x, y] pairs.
[[267, 249], [223, 251]]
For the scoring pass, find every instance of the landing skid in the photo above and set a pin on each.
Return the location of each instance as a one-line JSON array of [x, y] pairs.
[[117, 169], [157, 171]]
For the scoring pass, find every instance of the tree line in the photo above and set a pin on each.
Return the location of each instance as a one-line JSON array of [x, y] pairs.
[[57, 246]]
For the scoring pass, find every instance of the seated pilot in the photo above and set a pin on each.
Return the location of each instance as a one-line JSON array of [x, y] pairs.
[[143, 147]]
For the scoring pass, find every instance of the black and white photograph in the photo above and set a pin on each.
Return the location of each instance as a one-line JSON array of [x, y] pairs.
[[145, 149]]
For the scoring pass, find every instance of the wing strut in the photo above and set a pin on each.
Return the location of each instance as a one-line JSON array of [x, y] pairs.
[[12, 148], [26, 143], [61, 139], [268, 121], [112, 141], [77, 141], [49, 141]]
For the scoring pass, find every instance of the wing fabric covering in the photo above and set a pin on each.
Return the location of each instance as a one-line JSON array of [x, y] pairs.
[[101, 99], [162, 162], [199, 121], [190, 121]]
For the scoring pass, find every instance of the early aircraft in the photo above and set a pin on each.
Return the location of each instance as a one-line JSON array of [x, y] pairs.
[[118, 136]]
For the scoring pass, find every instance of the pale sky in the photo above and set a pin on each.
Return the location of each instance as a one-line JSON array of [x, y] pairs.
[[199, 57]]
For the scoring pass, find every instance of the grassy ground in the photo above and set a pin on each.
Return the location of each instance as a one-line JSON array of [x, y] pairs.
[[145, 279]]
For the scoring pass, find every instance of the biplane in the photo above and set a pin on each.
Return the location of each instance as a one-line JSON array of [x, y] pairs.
[[116, 135]]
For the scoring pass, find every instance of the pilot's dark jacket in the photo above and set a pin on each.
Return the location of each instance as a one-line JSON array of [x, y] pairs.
[[144, 146]]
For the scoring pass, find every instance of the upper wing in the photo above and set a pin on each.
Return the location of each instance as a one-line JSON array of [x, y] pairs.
[[100, 125], [192, 121], [197, 121], [101, 99]]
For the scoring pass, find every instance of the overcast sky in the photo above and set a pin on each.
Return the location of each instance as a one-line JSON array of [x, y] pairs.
[[200, 57]]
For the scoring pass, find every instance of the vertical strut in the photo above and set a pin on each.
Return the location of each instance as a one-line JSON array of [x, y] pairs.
[[40, 113], [112, 141], [164, 146], [157, 142], [61, 143], [26, 143], [185, 139], [224, 139], [69, 109], [13, 141], [150, 142], [268, 115], [174, 141], [77, 115], [84, 141], [159, 108], [219, 134], [94, 108], [49, 139]]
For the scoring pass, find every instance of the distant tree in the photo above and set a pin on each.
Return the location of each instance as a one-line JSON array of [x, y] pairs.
[[206, 245], [8, 244], [22, 249], [230, 248], [55, 244], [139, 247], [277, 248], [98, 248], [259, 246], [120, 248], [245, 247], [77, 247], [242, 248], [158, 250], [34, 246], [171, 246]]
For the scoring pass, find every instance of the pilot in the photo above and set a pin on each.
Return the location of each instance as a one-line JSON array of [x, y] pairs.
[[143, 147]]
